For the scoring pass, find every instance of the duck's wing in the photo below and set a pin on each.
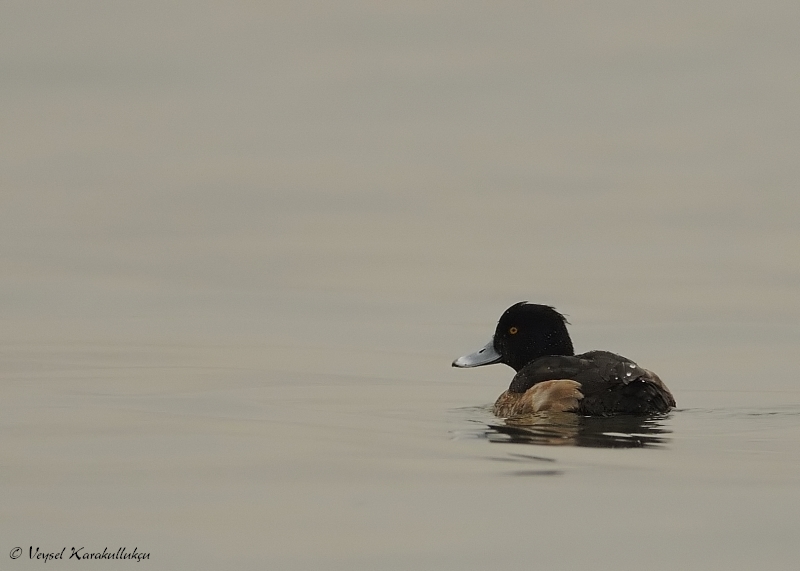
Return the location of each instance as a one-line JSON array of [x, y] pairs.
[[619, 386], [643, 395], [609, 383]]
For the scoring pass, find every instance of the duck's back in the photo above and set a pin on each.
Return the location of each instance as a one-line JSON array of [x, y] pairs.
[[609, 383]]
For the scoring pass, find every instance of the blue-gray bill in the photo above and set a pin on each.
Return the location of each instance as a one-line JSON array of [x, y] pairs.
[[485, 356]]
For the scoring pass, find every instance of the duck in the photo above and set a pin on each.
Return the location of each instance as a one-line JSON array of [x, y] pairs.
[[533, 340]]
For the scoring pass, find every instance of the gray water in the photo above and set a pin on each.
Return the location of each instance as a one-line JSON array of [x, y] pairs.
[[241, 243]]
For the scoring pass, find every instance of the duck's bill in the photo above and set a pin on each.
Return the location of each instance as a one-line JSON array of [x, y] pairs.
[[485, 356]]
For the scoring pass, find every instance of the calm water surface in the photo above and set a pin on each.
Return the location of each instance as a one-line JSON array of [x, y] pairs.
[[241, 245]]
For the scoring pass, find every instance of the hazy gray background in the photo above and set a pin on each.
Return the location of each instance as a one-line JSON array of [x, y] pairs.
[[240, 244]]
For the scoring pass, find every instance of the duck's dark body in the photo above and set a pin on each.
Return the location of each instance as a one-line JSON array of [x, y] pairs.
[[609, 383], [533, 340]]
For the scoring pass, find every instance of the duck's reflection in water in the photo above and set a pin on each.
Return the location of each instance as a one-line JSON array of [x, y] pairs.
[[569, 429]]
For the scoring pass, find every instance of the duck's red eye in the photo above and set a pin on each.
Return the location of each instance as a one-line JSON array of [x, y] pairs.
[[513, 331]]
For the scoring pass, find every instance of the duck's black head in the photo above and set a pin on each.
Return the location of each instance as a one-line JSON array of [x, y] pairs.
[[525, 332]]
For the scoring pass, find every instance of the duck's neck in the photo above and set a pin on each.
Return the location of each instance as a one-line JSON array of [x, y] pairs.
[[551, 343]]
